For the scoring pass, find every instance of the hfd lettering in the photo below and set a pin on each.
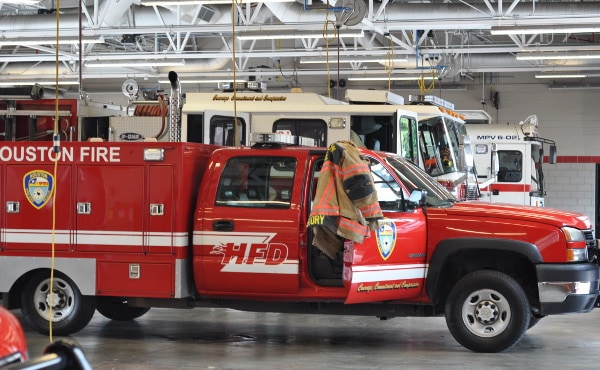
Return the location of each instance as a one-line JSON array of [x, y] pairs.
[[244, 253]]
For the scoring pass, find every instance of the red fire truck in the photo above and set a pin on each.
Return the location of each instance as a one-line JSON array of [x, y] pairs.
[[129, 226]]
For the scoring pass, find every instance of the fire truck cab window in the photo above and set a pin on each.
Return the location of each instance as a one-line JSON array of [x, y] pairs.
[[375, 132], [511, 166], [257, 182]]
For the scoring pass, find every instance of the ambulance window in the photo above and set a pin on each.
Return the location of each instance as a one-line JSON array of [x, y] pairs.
[[222, 131], [511, 166], [313, 128], [194, 128], [257, 182], [375, 132]]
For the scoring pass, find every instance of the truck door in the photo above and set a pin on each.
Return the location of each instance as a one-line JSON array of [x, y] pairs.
[[512, 185], [219, 128], [248, 240], [390, 264]]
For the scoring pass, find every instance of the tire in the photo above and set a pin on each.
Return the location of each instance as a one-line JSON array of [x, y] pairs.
[[118, 310], [71, 311], [487, 311]]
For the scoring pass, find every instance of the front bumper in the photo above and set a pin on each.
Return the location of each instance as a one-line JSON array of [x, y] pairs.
[[567, 288]]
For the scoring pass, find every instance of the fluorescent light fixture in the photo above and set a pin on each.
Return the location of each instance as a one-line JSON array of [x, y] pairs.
[[557, 56], [202, 2], [404, 78], [532, 30], [135, 63], [206, 81], [42, 83], [49, 41], [283, 34], [567, 75], [572, 75], [358, 59]]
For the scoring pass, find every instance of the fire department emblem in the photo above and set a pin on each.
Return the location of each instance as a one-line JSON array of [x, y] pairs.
[[38, 186], [386, 238]]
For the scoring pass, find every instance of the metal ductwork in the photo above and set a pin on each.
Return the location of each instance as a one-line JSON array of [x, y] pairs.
[[34, 92]]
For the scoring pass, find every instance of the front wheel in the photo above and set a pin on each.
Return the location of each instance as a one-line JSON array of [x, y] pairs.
[[64, 304], [487, 311]]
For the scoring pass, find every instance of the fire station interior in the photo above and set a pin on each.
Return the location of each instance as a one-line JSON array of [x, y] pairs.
[[496, 62]]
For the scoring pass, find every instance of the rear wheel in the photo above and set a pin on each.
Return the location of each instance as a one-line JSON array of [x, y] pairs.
[[64, 305], [117, 309], [487, 311]]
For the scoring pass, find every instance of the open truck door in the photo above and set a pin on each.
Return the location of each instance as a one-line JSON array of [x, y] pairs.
[[391, 263]]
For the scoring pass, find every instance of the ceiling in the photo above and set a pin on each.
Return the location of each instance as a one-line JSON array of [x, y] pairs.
[[450, 41]]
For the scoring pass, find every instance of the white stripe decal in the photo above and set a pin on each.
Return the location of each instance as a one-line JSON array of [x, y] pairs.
[[287, 267], [367, 274], [93, 237], [211, 238]]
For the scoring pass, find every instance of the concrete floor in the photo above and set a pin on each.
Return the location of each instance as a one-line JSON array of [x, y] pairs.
[[227, 339]]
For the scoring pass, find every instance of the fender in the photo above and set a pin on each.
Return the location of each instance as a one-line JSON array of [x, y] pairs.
[[448, 247]]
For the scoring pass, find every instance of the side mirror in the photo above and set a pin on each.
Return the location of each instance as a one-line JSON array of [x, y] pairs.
[[552, 156], [417, 199]]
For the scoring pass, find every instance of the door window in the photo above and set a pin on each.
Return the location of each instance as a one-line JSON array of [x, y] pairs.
[[257, 182]]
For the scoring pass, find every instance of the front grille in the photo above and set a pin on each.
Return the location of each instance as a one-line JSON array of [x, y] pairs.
[[472, 192], [592, 246]]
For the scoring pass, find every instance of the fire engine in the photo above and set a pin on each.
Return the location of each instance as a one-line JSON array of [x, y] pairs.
[[26, 115], [126, 226], [509, 160]]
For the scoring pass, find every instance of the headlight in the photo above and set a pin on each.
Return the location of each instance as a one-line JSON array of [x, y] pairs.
[[576, 247]]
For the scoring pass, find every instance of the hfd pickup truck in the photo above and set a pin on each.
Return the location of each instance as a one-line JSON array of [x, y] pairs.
[[129, 226]]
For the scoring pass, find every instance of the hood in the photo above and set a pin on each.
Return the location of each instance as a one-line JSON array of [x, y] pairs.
[[547, 216]]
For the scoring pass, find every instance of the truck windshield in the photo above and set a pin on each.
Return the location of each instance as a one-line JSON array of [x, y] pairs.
[[414, 178]]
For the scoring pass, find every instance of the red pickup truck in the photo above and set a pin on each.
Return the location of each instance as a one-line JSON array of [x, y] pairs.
[[129, 226]]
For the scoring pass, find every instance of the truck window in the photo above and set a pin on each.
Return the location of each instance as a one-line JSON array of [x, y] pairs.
[[257, 182], [195, 122], [375, 132], [222, 131], [409, 139], [511, 166], [389, 192], [312, 128]]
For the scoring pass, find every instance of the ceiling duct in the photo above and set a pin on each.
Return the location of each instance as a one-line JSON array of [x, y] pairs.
[[34, 92], [352, 13]]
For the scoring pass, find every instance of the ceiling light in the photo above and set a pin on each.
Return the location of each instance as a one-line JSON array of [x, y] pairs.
[[49, 41], [568, 75], [283, 34], [135, 63], [532, 30], [38, 82], [202, 81], [557, 56], [202, 2], [358, 59], [404, 78]]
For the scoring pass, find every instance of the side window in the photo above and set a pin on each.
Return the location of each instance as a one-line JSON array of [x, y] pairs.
[[389, 192], [222, 131], [375, 132], [511, 166], [257, 182], [313, 128], [408, 138]]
